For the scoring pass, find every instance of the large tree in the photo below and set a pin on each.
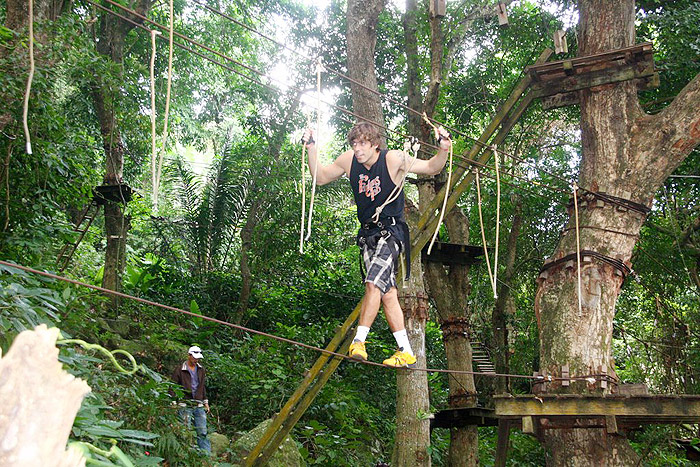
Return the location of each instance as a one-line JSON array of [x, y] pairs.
[[627, 154]]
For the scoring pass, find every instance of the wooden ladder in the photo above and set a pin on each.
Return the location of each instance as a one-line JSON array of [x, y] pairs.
[[81, 227]]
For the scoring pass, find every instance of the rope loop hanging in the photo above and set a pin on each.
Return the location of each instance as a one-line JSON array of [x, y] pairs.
[[30, 78], [319, 69], [477, 179]]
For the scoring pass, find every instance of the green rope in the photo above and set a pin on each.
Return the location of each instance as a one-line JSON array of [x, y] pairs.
[[109, 354], [114, 452]]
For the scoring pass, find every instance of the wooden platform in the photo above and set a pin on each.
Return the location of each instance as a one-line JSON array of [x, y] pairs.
[[453, 253], [553, 411], [451, 418], [557, 82], [116, 193]]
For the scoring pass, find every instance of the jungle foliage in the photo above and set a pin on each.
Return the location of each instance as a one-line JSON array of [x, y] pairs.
[[223, 167]]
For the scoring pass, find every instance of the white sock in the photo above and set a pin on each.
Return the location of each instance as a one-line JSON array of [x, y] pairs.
[[362, 332], [402, 341]]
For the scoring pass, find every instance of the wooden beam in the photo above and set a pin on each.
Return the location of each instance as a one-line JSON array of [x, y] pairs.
[[611, 424], [528, 425], [591, 79], [657, 406], [502, 443]]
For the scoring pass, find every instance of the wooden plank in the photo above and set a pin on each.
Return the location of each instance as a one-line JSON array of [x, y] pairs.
[[645, 48], [595, 78], [558, 100]]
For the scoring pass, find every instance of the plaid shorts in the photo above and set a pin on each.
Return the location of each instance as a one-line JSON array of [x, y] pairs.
[[380, 264]]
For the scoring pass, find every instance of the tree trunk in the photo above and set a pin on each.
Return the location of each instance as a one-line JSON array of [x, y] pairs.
[[626, 154], [412, 438], [112, 32], [361, 36], [450, 288]]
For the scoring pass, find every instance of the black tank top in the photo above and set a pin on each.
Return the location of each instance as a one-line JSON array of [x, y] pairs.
[[371, 187]]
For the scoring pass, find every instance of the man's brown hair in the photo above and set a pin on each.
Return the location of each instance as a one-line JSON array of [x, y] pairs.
[[365, 131]]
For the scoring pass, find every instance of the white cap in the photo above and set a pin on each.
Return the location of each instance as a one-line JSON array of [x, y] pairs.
[[195, 351]]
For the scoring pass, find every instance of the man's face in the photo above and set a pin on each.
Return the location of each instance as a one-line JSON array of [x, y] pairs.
[[191, 359], [364, 150]]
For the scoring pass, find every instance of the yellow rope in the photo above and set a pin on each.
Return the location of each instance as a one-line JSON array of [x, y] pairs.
[[578, 249], [30, 78], [319, 70], [498, 221], [483, 235]]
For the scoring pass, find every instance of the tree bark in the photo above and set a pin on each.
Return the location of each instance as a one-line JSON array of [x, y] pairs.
[[626, 154], [361, 37]]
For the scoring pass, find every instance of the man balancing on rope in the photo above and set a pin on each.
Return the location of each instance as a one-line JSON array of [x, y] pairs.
[[376, 176]]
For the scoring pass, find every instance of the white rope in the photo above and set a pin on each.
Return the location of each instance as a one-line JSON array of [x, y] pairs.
[[319, 70], [447, 187], [578, 249], [483, 235], [167, 100], [303, 196], [414, 146], [28, 90], [154, 33]]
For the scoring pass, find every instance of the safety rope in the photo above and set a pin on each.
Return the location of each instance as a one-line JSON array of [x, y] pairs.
[[410, 145], [578, 249], [447, 188], [30, 78], [319, 70], [483, 234], [590, 378]]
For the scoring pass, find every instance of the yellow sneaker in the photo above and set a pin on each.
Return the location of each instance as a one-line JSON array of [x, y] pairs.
[[357, 350], [401, 359]]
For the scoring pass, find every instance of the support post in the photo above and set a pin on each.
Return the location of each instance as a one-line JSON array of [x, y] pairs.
[[502, 443]]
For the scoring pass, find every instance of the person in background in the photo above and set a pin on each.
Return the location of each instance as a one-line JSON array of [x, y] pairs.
[[191, 377]]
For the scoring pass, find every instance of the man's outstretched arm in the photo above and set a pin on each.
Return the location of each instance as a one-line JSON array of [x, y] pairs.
[[326, 173]]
